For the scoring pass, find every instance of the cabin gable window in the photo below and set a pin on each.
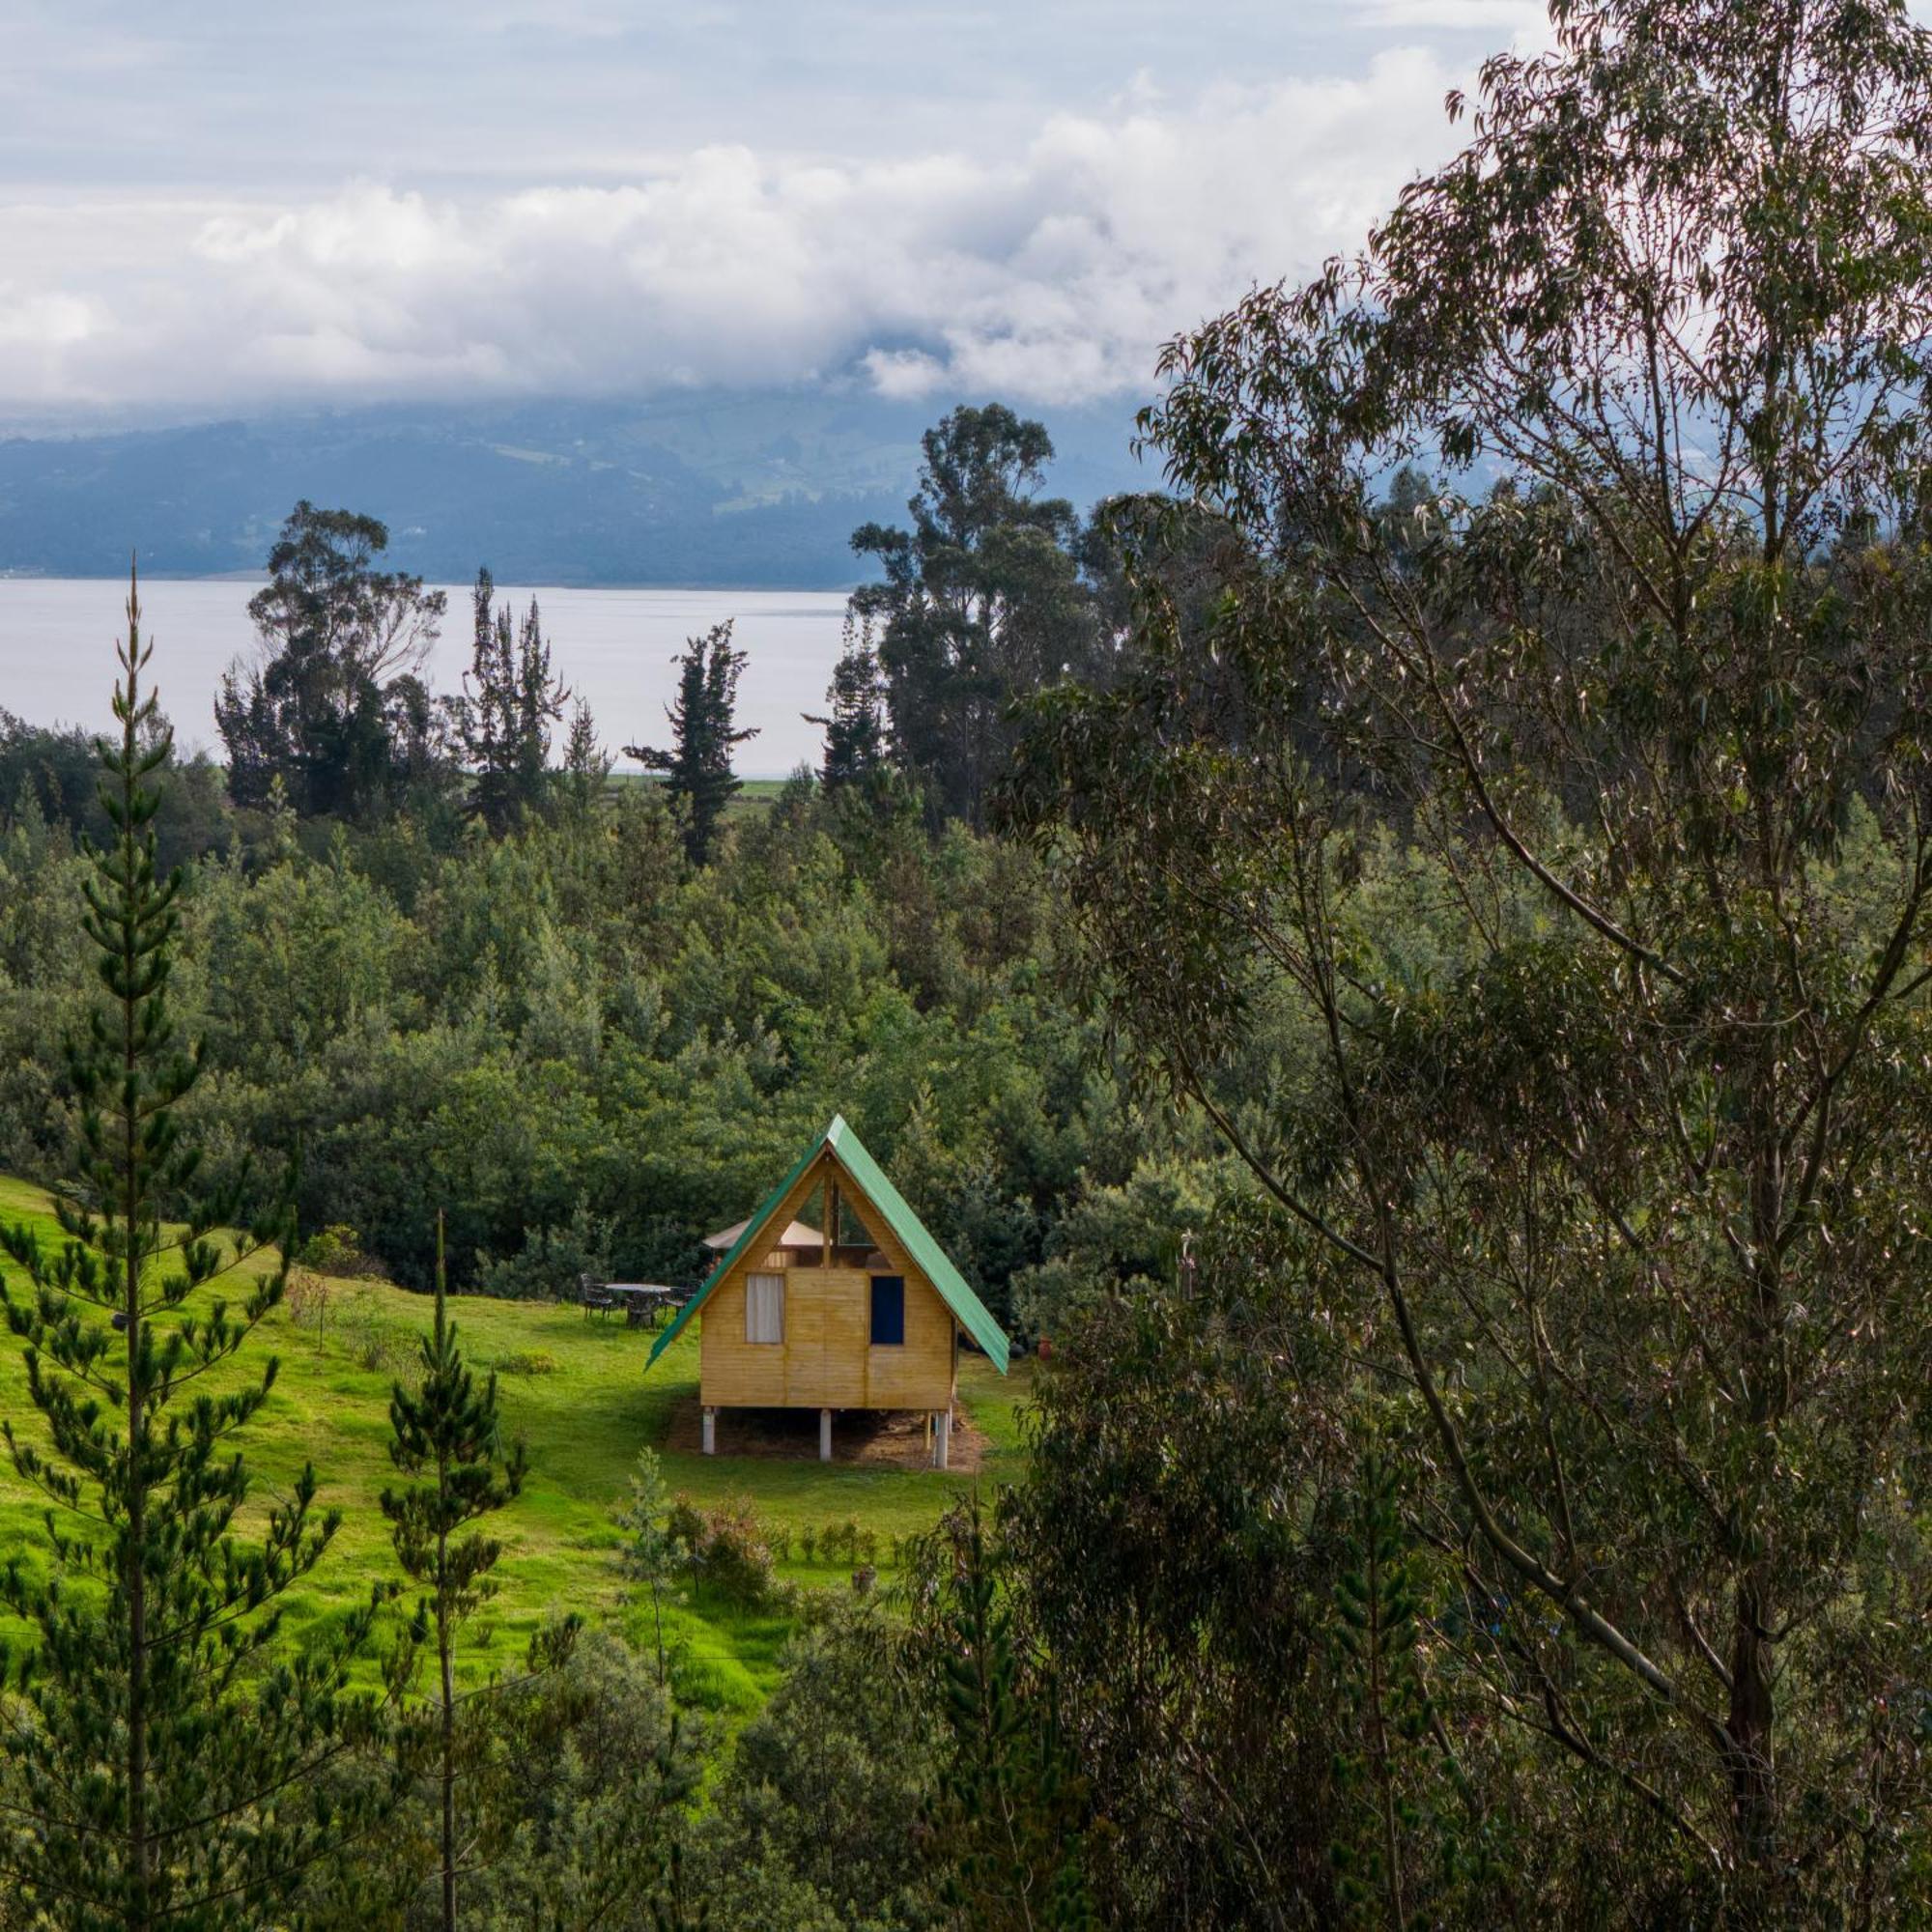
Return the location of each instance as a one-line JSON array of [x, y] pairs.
[[887, 1311], [765, 1308]]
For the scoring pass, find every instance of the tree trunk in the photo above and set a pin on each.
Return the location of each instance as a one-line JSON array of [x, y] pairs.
[[1752, 1776], [444, 1658], [140, 1850]]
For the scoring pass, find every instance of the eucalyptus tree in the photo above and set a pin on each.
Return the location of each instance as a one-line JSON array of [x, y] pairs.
[[335, 705], [1606, 1154], [981, 603], [164, 1753]]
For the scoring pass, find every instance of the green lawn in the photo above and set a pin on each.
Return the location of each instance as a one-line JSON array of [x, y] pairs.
[[584, 1421]]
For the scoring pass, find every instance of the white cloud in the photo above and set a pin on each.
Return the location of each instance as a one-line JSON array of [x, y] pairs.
[[1050, 276]]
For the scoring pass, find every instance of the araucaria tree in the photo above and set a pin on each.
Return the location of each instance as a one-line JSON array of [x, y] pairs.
[[446, 1431], [697, 767], [162, 1751], [509, 703], [1610, 1168], [855, 725]]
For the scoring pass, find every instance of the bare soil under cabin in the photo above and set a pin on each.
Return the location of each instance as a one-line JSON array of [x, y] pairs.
[[880, 1437]]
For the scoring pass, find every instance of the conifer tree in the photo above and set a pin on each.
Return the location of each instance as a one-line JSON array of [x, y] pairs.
[[855, 725], [1006, 1826], [449, 1428], [1376, 1604], [586, 765], [697, 767], [510, 702], [650, 1552], [163, 1756]]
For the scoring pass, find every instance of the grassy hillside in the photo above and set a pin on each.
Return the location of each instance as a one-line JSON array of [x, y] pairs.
[[584, 1418]]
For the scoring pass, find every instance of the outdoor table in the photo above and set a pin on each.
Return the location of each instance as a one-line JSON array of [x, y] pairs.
[[642, 1301]]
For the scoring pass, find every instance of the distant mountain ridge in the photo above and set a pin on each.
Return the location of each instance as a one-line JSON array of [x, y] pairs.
[[747, 490]]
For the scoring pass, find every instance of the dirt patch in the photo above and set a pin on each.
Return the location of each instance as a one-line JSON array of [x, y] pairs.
[[890, 1439]]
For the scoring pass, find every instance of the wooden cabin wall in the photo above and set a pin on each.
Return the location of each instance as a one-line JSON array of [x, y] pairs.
[[826, 1359]]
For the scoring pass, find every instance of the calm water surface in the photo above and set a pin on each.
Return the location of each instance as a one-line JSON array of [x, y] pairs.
[[613, 647]]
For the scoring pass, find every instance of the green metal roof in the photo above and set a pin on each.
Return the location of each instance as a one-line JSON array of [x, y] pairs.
[[910, 1231]]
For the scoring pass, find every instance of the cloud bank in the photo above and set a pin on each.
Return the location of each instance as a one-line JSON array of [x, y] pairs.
[[1048, 276]]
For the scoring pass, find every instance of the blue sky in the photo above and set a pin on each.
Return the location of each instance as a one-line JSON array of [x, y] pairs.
[[221, 207]]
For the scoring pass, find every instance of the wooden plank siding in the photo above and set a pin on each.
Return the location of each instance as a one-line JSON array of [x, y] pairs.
[[826, 1359]]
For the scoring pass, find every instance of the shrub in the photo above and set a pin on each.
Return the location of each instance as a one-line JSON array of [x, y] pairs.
[[729, 1553], [553, 1262], [337, 1250], [527, 1362]]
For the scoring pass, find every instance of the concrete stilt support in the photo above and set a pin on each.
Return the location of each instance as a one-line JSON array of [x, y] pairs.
[[942, 1441], [711, 1432], [825, 1435]]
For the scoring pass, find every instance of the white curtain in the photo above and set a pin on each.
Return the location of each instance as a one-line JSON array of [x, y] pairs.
[[765, 1308]]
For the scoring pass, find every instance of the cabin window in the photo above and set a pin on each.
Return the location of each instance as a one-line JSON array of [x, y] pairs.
[[765, 1308], [888, 1310]]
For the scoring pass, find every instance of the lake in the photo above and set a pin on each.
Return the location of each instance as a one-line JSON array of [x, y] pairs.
[[613, 647]]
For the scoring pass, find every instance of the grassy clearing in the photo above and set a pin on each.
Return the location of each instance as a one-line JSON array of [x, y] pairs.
[[585, 1417]]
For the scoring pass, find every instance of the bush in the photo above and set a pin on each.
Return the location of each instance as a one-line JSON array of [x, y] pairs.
[[553, 1262], [337, 1250], [527, 1362], [728, 1549], [816, 1821]]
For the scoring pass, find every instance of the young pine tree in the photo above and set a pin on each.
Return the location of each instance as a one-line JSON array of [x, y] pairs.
[[449, 1430], [1400, 1864], [650, 1552], [586, 766], [697, 768], [1006, 1826], [163, 1754]]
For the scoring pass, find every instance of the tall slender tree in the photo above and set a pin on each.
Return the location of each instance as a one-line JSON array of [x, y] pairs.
[[855, 724], [509, 704], [697, 767], [162, 1754], [448, 1427]]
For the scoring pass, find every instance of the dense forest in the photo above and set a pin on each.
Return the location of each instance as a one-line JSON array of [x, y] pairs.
[[1405, 958]]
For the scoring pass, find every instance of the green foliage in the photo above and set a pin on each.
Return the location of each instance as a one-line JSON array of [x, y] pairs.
[[1167, 1551], [553, 1262], [650, 1552], [164, 1748], [855, 728], [818, 1814], [1378, 1600], [697, 767], [579, 1779], [725, 1550], [527, 1362]]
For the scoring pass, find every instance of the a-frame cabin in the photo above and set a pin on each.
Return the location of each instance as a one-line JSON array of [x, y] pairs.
[[869, 1317]]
